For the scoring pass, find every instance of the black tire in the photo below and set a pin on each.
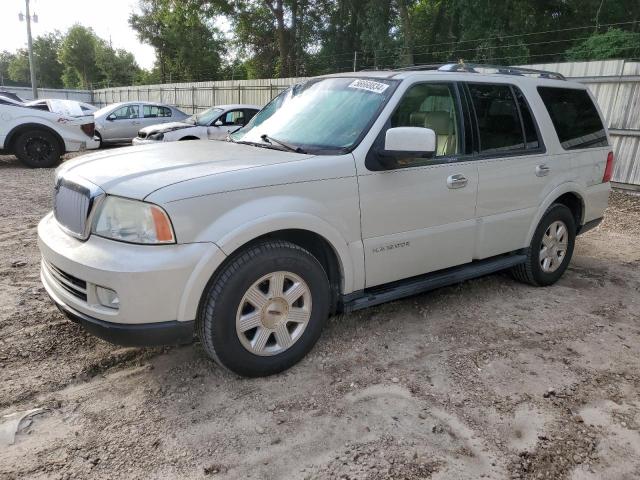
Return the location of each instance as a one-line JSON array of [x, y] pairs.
[[216, 322], [531, 271], [38, 149], [99, 137]]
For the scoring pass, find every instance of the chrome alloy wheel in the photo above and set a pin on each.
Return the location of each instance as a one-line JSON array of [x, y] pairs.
[[554, 246], [273, 313]]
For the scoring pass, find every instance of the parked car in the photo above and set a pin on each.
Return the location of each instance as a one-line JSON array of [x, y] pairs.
[[363, 188], [39, 137], [120, 122], [212, 124], [54, 105]]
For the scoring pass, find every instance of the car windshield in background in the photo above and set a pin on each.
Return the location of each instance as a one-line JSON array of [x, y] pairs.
[[205, 118], [325, 116]]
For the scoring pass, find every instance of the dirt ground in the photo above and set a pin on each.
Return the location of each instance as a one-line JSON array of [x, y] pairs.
[[486, 379]]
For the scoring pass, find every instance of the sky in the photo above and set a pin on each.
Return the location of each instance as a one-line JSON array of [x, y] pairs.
[[108, 18]]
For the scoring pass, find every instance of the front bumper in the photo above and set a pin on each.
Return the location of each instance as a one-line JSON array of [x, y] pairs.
[[144, 335], [158, 286], [144, 141]]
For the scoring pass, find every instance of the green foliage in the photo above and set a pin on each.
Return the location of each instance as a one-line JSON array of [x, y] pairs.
[[188, 46], [615, 43], [78, 55], [45, 54], [18, 68]]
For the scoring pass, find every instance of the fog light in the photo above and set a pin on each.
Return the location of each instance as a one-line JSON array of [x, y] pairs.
[[107, 297]]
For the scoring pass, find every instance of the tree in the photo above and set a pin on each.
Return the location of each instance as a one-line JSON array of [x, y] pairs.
[[117, 67], [78, 56], [614, 43], [5, 61], [188, 46], [18, 68], [45, 55]]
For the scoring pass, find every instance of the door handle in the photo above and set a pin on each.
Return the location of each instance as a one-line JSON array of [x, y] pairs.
[[542, 170], [457, 181]]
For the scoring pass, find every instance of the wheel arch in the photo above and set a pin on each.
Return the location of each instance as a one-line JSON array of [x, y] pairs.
[[189, 137], [13, 135], [569, 194], [305, 230]]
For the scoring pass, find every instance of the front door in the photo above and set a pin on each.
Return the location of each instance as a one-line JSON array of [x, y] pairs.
[[227, 123], [123, 123], [419, 216]]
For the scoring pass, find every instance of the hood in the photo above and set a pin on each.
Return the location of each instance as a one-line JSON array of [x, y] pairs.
[[166, 127], [136, 172]]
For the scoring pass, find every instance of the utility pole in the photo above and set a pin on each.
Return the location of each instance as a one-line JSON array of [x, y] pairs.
[[355, 61], [32, 67]]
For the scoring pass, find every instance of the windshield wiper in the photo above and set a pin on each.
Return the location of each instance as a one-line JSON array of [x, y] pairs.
[[291, 148]]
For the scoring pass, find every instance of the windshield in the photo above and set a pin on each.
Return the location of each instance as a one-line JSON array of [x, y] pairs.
[[205, 118], [268, 110], [324, 116]]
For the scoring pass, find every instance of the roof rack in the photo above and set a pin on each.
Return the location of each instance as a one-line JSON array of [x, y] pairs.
[[472, 68]]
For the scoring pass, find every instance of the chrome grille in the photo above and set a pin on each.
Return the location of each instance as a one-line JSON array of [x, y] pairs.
[[74, 202]]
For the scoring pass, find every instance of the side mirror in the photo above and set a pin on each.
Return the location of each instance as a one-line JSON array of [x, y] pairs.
[[111, 117], [218, 123], [421, 142]]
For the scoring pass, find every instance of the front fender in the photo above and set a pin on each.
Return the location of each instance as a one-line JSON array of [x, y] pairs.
[[258, 227]]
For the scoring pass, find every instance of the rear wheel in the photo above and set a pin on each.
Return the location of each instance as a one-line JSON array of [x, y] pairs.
[[265, 310], [38, 149], [551, 248]]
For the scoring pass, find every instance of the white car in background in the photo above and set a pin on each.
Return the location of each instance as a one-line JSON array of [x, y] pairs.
[[60, 106], [120, 122], [212, 124], [39, 137]]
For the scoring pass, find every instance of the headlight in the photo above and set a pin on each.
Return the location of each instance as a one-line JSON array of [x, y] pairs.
[[156, 136], [133, 221]]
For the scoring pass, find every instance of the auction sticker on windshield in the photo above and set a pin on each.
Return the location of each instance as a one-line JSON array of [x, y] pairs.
[[370, 86]]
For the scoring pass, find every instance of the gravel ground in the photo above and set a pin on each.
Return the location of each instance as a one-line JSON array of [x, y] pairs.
[[486, 379]]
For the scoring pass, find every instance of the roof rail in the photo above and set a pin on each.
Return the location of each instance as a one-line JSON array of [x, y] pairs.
[[472, 68], [501, 69]]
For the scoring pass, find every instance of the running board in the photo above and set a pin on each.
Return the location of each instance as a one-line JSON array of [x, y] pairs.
[[431, 281]]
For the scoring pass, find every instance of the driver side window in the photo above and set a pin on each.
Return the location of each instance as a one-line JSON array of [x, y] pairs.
[[126, 112], [434, 106], [233, 118]]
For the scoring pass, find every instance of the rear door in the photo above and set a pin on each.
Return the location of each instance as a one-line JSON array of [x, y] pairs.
[[154, 114], [514, 170]]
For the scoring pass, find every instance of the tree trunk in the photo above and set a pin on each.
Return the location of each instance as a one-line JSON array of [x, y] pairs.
[[407, 31], [277, 9]]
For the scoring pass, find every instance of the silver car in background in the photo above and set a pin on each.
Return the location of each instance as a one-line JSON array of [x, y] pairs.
[[120, 122]]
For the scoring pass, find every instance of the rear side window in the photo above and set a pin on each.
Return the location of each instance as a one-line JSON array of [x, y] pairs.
[[153, 111], [498, 118], [574, 117]]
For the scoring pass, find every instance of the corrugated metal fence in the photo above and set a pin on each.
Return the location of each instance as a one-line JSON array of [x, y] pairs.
[[195, 97], [616, 86], [26, 94]]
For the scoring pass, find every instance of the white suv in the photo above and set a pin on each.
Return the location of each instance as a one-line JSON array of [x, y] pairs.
[[363, 188]]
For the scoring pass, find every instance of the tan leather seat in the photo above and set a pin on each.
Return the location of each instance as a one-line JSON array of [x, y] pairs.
[[442, 124]]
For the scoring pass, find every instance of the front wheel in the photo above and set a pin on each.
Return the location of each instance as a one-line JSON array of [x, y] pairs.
[[265, 310], [551, 248]]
